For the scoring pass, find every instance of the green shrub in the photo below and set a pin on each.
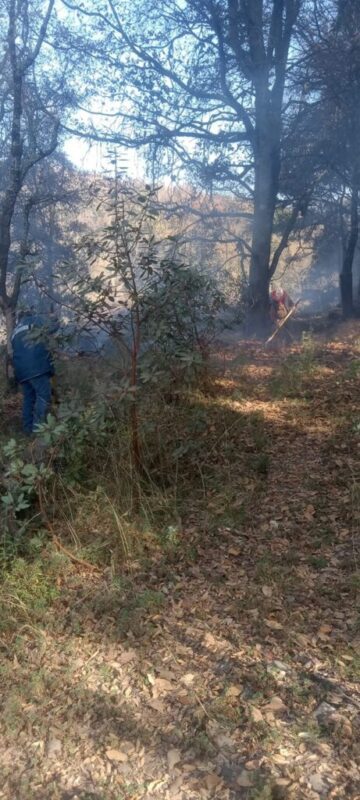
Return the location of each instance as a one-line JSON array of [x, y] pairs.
[[27, 589]]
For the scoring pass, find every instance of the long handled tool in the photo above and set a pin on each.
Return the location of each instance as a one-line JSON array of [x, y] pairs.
[[283, 322]]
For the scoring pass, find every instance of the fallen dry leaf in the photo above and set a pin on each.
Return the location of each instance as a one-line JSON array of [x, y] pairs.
[[188, 679], [174, 790], [245, 780], [325, 629], [162, 686], [126, 656], [276, 705], [173, 758], [256, 714], [157, 705], [54, 747], [117, 755], [233, 691], [209, 640], [212, 781], [273, 624], [309, 513], [277, 758]]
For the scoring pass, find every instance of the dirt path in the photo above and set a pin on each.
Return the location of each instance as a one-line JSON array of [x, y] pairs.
[[229, 668]]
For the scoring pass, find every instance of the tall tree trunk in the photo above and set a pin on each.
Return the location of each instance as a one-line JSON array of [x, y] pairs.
[[7, 300], [269, 63], [267, 172], [264, 209], [346, 275], [9, 327], [20, 60]]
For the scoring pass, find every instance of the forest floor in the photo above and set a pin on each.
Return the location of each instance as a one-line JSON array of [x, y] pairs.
[[226, 665]]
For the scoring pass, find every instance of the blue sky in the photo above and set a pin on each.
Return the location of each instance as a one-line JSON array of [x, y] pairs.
[[93, 157]]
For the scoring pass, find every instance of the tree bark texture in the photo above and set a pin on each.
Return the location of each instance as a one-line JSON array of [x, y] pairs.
[[346, 275]]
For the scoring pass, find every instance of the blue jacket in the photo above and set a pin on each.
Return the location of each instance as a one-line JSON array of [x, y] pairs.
[[31, 355]]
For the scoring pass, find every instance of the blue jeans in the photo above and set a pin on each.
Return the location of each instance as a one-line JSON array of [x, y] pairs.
[[36, 401]]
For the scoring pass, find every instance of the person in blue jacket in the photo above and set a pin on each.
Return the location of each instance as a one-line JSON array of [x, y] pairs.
[[33, 366]]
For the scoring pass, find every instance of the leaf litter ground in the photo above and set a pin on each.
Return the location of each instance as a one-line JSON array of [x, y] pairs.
[[229, 666]]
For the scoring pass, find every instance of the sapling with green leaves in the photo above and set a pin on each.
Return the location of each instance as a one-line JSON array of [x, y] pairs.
[[135, 288]]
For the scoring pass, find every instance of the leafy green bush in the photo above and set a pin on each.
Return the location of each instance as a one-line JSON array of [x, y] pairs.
[[27, 589], [179, 312], [21, 484], [146, 299], [62, 452], [70, 436], [21, 479]]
